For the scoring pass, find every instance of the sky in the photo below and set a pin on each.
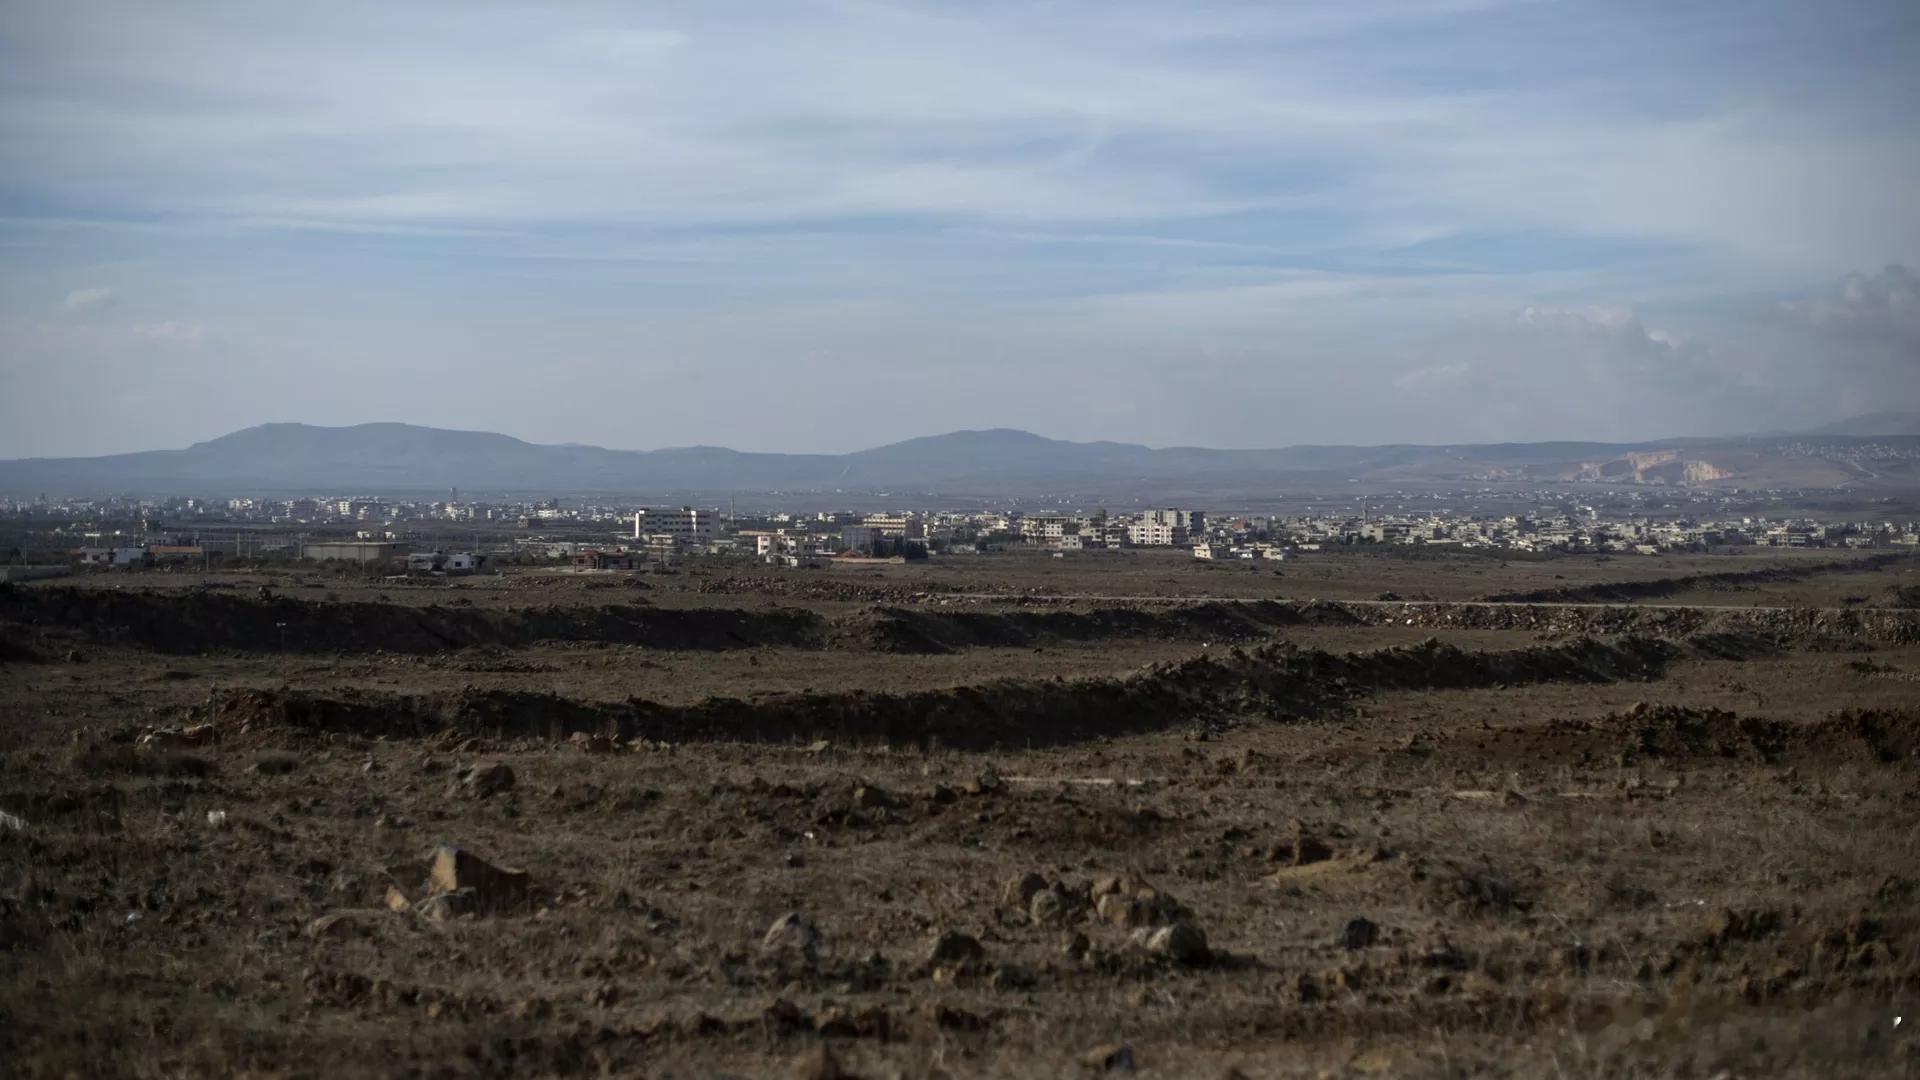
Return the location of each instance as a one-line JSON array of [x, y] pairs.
[[823, 227]]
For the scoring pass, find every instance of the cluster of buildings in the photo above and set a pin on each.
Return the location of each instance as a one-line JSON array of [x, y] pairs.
[[459, 537]]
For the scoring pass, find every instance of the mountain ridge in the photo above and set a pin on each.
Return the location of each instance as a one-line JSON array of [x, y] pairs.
[[390, 456]]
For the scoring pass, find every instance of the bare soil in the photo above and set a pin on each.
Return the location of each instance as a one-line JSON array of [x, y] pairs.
[[997, 817]]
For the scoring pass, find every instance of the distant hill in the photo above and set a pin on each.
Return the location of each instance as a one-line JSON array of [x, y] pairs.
[[1880, 423], [406, 459]]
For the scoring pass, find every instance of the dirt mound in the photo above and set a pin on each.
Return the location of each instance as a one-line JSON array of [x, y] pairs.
[[1674, 734], [802, 588], [1622, 592], [47, 621], [920, 630], [1278, 682], [1777, 627], [1902, 596], [205, 621]]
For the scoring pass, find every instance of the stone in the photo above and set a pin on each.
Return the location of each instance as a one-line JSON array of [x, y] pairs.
[[347, 922], [1129, 902], [1020, 891], [397, 900], [495, 889], [1050, 907], [790, 933], [870, 797], [1112, 1057], [1182, 943], [1359, 934], [441, 907], [591, 744], [1118, 910], [955, 949], [484, 781], [984, 784]]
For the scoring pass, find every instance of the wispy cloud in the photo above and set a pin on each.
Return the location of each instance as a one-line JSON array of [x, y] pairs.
[[1226, 201], [80, 300]]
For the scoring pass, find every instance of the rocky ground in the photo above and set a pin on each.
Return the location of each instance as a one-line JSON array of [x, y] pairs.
[[695, 829]]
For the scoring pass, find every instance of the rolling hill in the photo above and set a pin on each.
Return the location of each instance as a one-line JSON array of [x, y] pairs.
[[402, 458]]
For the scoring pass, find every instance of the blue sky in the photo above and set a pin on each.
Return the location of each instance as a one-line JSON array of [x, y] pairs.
[[825, 226]]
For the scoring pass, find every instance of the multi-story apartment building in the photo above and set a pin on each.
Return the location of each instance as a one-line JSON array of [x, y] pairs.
[[684, 526]]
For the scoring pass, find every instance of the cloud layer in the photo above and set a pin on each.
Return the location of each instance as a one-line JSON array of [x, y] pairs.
[[823, 225]]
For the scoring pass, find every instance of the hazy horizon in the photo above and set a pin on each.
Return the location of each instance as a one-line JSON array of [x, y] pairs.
[[929, 436], [825, 227]]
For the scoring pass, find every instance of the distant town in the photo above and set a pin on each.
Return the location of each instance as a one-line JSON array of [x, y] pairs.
[[455, 536]]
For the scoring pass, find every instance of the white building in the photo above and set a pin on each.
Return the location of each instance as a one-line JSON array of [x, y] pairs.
[[1166, 528], [684, 526], [895, 526]]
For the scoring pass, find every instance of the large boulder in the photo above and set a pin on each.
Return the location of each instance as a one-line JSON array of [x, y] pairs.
[[482, 781], [495, 889]]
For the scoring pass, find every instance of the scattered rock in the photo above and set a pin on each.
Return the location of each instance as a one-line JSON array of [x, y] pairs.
[[1113, 1057], [984, 784], [871, 797], [955, 949], [1051, 906], [791, 934], [1183, 943], [1118, 910], [1020, 891], [343, 923], [1126, 901], [1359, 934], [442, 907], [494, 889], [839, 1022], [591, 744], [483, 781]]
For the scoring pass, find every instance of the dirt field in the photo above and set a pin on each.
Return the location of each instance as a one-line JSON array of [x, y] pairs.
[[1002, 816]]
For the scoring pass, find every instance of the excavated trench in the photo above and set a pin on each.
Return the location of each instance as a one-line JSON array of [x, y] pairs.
[[1274, 682], [44, 621], [200, 622]]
